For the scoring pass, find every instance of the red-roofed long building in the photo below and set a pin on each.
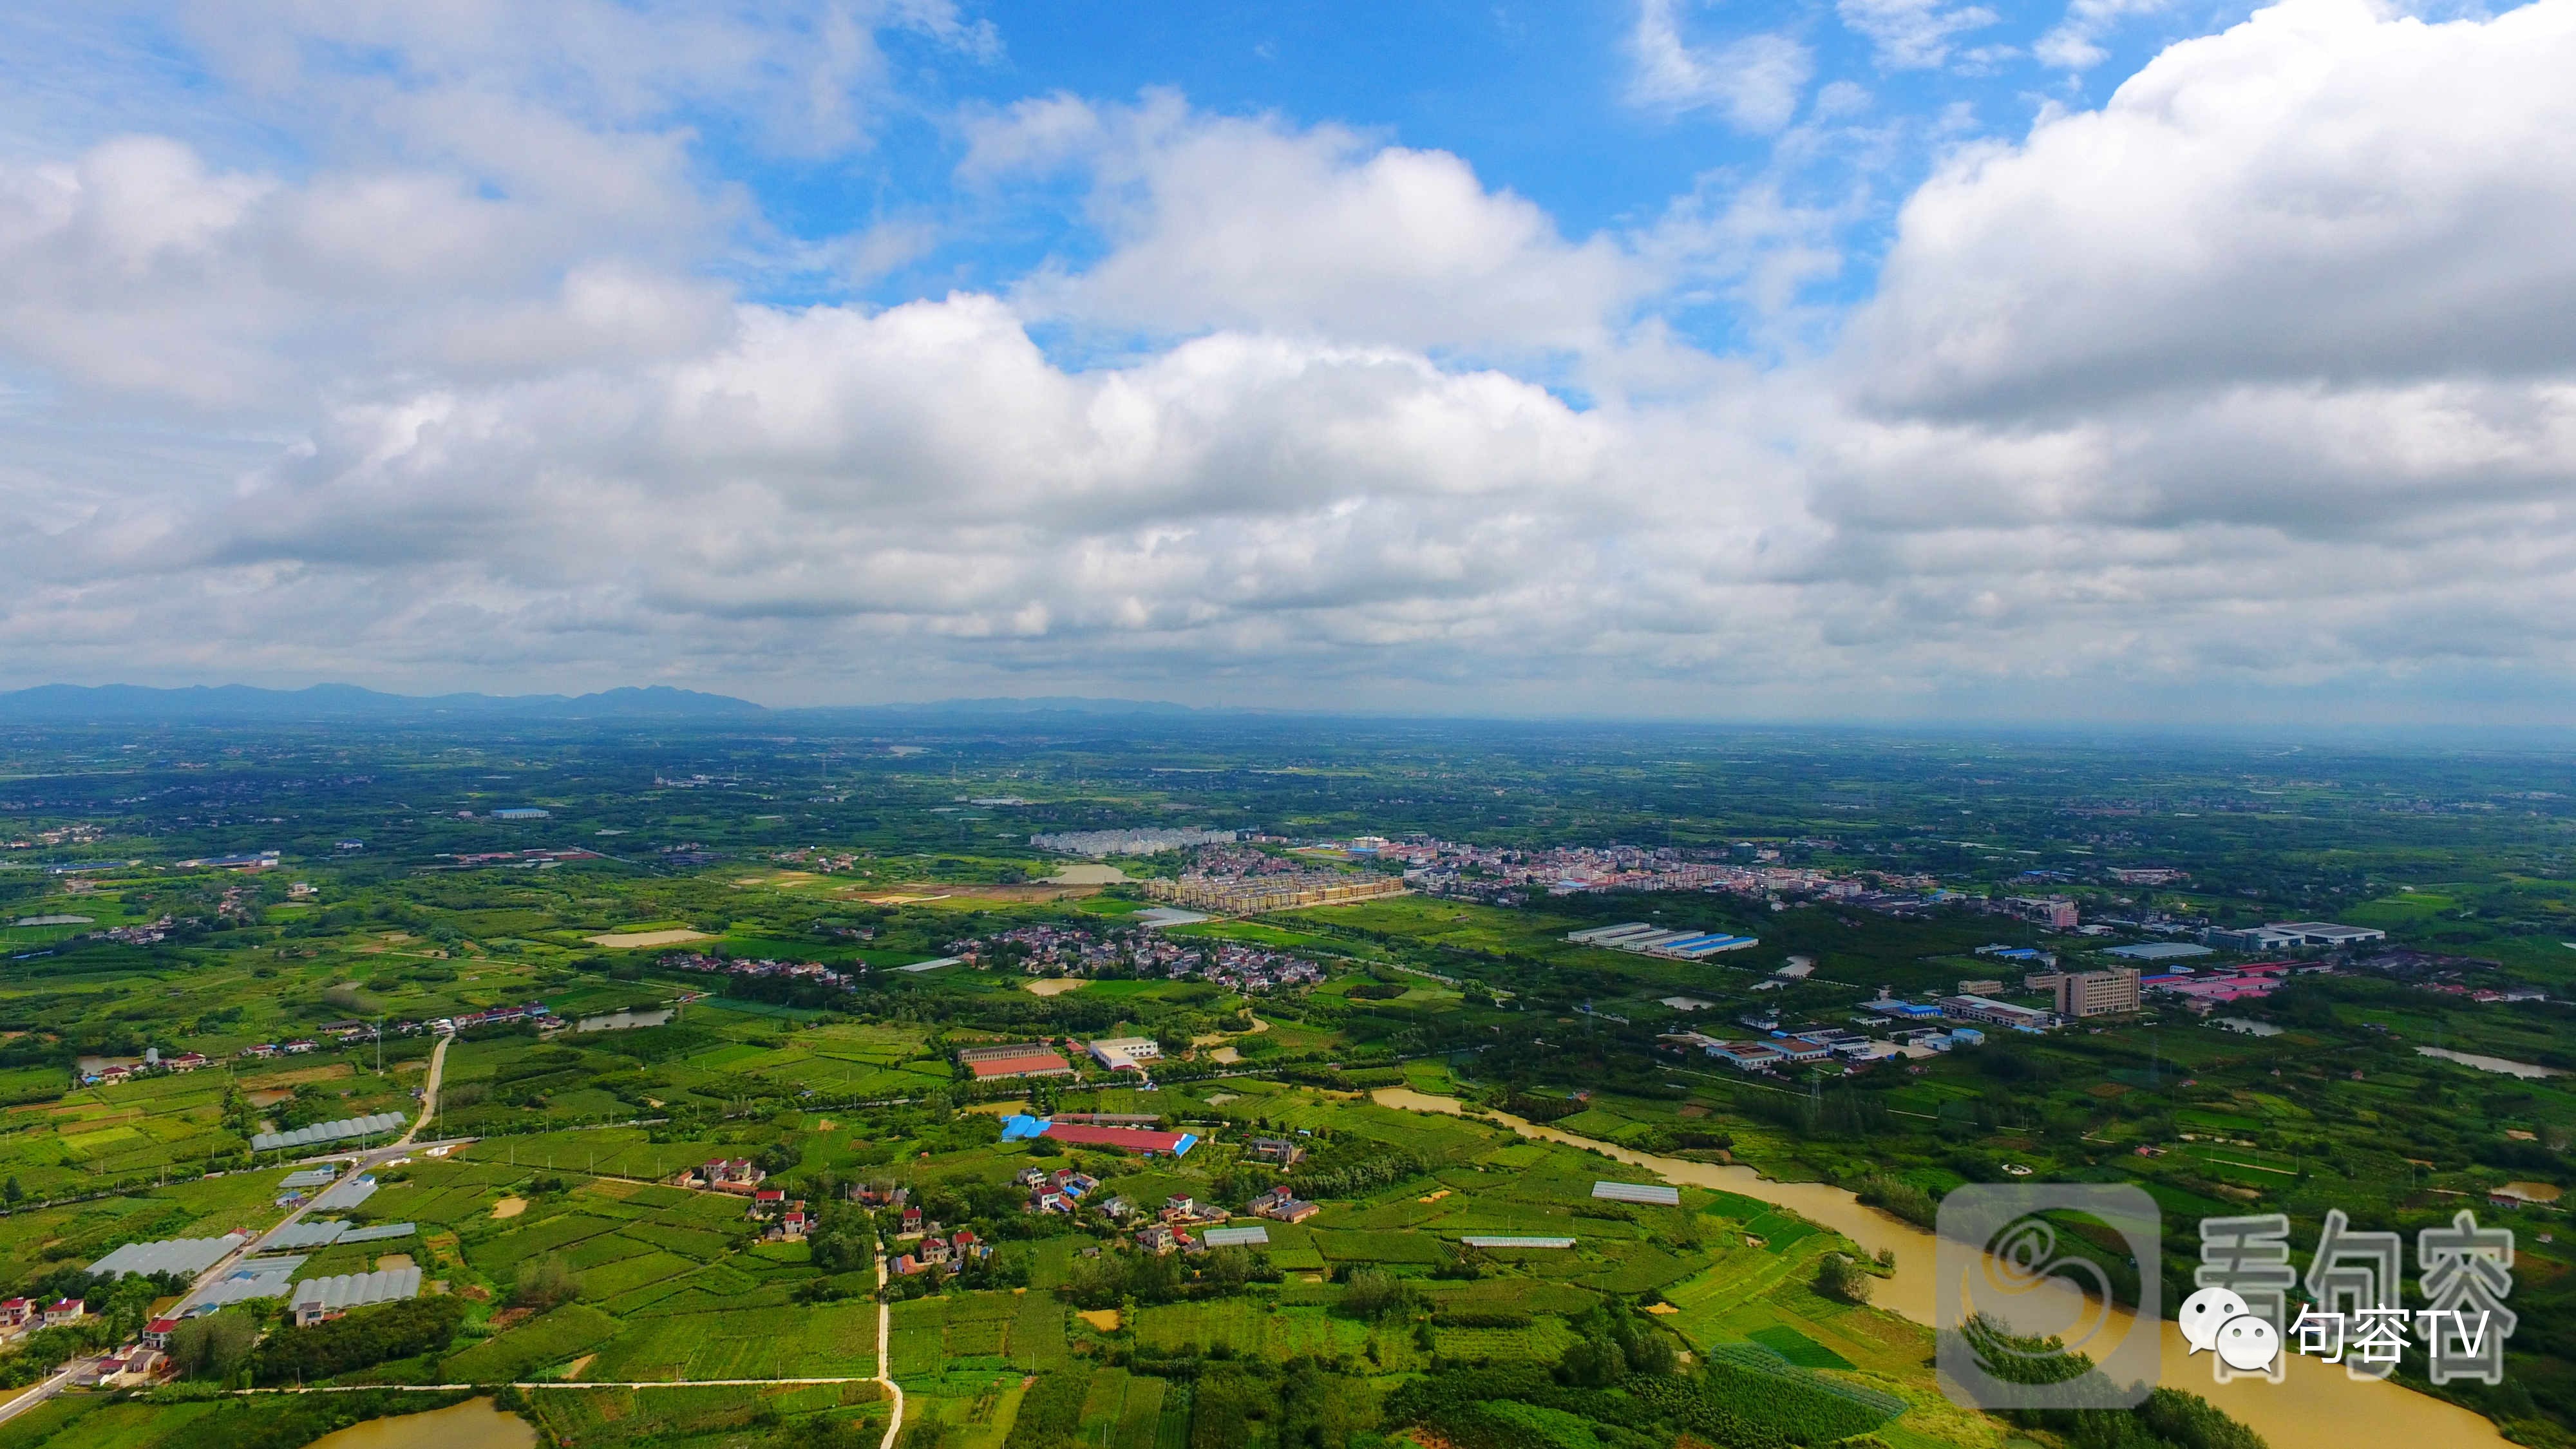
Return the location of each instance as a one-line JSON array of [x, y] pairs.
[[1033, 1064], [1121, 1139]]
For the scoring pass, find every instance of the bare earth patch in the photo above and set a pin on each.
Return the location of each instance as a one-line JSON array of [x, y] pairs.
[[1088, 875], [332, 1072], [622, 939], [578, 1366], [391, 1262], [920, 892], [1054, 985], [509, 1207], [1212, 1038], [1104, 1319]]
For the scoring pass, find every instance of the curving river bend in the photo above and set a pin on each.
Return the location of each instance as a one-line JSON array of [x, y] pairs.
[[2316, 1407]]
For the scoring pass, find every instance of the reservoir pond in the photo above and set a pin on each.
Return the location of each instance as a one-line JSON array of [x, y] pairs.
[[474, 1424]]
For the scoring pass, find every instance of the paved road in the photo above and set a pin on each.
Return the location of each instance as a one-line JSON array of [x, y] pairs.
[[39, 1393]]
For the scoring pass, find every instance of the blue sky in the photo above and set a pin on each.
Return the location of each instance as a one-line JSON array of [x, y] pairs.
[[1539, 98], [1881, 359]]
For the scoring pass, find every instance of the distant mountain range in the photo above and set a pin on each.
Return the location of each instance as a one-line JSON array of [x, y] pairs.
[[74, 704], [1041, 704], [134, 703]]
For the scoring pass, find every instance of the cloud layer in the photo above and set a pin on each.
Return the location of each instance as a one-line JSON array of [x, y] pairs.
[[2262, 374]]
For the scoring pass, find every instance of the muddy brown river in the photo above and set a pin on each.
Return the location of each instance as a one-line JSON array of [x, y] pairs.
[[2316, 1407], [474, 1424]]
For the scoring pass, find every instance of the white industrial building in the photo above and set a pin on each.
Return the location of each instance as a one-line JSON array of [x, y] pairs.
[[1125, 1053]]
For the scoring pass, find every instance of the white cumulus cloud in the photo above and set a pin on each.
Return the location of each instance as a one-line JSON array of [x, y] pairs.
[[1225, 222], [2261, 374], [1754, 81], [2323, 195]]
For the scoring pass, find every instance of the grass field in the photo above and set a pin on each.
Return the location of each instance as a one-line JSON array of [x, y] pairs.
[[549, 1339], [1243, 1327]]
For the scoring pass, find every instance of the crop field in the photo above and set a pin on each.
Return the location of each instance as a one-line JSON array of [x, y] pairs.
[[1544, 1341], [1245, 1329], [610, 1417], [563, 1240], [552, 1338]]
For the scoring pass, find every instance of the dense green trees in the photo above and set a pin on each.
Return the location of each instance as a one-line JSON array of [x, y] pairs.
[[545, 1282], [215, 1346], [1841, 1278], [1374, 1294], [362, 1338]]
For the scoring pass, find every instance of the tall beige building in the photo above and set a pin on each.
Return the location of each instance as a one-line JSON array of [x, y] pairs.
[[2097, 993]]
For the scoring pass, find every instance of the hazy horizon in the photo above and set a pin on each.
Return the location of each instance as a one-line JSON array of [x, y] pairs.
[[174, 705]]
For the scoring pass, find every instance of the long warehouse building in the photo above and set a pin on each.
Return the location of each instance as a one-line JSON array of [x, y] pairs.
[[1650, 940], [184, 1256], [316, 1299], [323, 1235], [322, 1132]]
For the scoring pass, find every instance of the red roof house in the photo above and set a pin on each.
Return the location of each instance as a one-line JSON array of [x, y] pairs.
[[1122, 1139], [1032, 1064]]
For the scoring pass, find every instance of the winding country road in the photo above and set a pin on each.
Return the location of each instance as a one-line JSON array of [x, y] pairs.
[[358, 1162], [885, 1355], [429, 1090]]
